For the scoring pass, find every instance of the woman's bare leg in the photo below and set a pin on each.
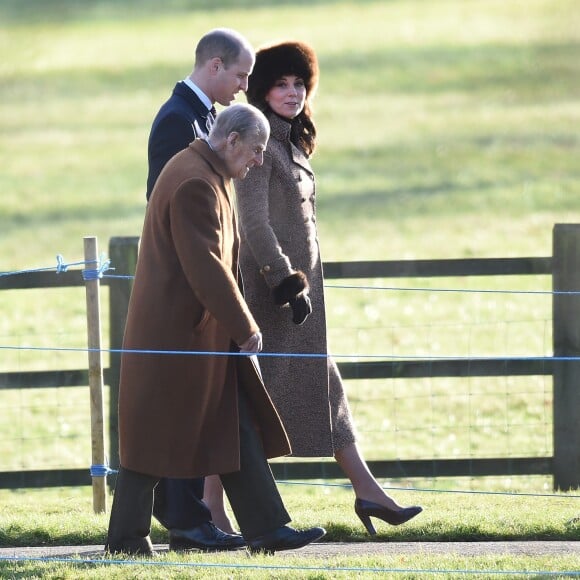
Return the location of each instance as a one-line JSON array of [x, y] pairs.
[[213, 496], [363, 482]]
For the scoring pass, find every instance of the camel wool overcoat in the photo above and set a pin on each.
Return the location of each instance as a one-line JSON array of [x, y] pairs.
[[178, 411], [277, 206]]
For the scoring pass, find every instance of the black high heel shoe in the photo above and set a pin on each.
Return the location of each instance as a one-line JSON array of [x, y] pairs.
[[365, 509]]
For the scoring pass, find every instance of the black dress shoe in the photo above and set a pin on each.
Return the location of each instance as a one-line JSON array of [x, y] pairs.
[[284, 538], [133, 547], [206, 537], [365, 509]]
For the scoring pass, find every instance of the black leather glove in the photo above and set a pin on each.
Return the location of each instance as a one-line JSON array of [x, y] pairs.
[[290, 287], [301, 308]]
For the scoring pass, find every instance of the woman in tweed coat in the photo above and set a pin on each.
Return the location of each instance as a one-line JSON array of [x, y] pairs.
[[283, 278]]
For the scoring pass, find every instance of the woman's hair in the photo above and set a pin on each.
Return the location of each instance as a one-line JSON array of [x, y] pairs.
[[278, 60]]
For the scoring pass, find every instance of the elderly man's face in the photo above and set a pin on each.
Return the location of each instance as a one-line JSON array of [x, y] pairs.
[[241, 155]]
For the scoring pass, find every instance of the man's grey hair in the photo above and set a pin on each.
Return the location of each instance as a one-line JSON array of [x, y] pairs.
[[239, 118], [223, 43]]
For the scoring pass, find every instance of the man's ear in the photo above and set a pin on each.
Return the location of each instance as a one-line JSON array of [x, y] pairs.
[[215, 64], [233, 138]]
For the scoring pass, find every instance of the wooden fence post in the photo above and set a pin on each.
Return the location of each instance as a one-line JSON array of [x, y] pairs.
[[566, 330], [123, 256], [95, 374]]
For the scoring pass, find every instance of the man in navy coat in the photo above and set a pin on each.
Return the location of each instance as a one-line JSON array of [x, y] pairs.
[[223, 62]]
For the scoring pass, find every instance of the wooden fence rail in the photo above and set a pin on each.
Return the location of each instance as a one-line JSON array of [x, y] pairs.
[[563, 267]]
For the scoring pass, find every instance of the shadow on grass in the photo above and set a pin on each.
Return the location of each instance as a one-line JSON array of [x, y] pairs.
[[481, 69], [32, 11], [512, 71], [16, 536], [437, 188], [54, 217], [434, 531]]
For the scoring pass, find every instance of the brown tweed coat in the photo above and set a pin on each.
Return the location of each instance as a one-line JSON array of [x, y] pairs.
[[178, 413], [278, 229]]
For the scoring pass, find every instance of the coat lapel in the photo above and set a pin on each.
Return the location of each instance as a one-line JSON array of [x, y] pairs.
[[280, 130], [300, 159], [201, 129]]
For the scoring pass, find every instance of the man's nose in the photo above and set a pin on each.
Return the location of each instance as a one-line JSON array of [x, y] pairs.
[[259, 159], [244, 84]]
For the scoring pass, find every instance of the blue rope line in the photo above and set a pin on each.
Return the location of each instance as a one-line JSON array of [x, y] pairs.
[[416, 289], [105, 470], [279, 567], [95, 274], [101, 470], [428, 490], [296, 355], [61, 266]]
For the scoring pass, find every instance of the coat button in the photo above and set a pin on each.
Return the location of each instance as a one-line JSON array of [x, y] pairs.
[[266, 268]]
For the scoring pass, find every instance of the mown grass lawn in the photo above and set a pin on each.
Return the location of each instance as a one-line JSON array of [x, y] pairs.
[[447, 128], [65, 518]]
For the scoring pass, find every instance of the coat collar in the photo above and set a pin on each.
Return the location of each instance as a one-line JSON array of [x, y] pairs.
[[280, 130], [202, 147], [183, 91]]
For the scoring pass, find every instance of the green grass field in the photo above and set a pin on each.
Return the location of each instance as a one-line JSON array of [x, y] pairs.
[[447, 128], [65, 518]]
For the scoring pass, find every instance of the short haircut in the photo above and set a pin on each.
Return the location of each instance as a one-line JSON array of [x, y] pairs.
[[239, 118], [223, 43]]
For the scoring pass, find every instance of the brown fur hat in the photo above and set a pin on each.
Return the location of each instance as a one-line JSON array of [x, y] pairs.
[[277, 60]]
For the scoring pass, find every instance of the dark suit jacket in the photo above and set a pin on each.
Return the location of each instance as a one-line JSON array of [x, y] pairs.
[[176, 125]]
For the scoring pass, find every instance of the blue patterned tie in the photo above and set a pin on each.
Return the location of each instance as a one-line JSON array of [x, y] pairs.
[[210, 118]]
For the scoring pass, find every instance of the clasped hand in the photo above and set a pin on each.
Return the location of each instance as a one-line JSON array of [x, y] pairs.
[[253, 345]]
